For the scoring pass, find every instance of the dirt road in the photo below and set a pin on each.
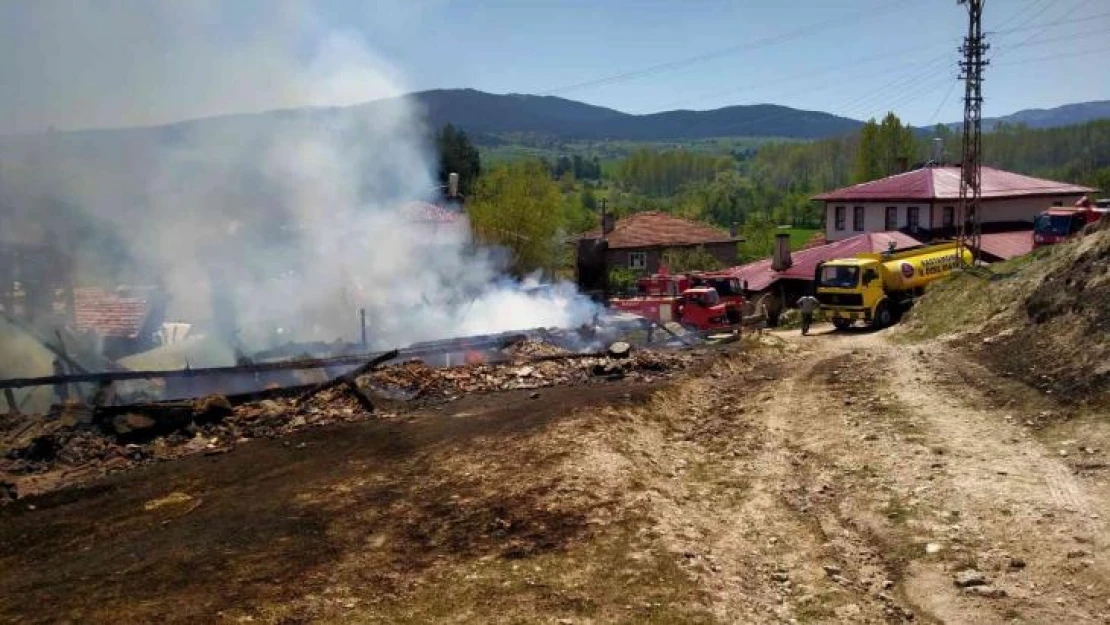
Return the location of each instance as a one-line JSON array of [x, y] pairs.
[[833, 478]]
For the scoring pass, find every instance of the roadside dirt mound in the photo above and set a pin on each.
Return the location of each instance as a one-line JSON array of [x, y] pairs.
[[1043, 318]]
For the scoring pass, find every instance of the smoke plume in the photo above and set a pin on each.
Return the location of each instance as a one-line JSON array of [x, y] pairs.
[[263, 229]]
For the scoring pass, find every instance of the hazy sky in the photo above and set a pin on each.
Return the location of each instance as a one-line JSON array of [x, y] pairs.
[[74, 63]]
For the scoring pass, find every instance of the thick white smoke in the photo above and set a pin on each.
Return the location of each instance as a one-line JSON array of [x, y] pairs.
[[277, 229]]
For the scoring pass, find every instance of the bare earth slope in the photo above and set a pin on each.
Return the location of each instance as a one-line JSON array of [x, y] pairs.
[[1043, 318], [835, 478]]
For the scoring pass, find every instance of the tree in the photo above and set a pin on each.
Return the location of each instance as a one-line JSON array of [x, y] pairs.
[[589, 199], [518, 207], [759, 238], [897, 146], [457, 155], [867, 155]]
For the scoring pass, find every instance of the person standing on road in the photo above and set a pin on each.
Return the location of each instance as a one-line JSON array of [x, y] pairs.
[[808, 304]]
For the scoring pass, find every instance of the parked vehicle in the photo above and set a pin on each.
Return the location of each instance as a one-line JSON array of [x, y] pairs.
[[1059, 223], [685, 299], [877, 288]]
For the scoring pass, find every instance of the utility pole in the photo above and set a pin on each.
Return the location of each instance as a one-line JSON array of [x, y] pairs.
[[971, 165]]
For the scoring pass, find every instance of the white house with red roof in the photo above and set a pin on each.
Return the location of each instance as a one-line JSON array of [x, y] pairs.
[[924, 202]]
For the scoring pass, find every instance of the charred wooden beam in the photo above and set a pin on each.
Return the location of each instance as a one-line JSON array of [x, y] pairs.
[[13, 405], [348, 380], [117, 376]]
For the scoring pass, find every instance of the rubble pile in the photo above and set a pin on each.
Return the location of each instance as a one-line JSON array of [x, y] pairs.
[[531, 349], [39, 454], [415, 380]]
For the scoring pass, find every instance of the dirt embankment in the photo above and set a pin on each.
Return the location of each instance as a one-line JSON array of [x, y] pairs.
[[1043, 318]]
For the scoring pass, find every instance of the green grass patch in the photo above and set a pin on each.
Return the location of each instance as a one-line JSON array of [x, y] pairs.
[[799, 236]]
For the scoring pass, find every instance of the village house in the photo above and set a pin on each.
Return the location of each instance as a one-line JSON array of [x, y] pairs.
[[923, 203], [639, 241]]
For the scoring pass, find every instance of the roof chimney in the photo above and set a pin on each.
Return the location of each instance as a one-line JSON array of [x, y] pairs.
[[608, 223], [452, 185], [938, 150], [733, 230], [780, 258]]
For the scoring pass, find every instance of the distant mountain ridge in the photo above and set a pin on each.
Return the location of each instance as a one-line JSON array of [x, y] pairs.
[[1065, 115], [478, 112], [494, 118]]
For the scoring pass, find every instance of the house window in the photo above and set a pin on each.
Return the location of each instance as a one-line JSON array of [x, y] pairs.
[[637, 260], [840, 217], [949, 217], [912, 218], [891, 218], [857, 219]]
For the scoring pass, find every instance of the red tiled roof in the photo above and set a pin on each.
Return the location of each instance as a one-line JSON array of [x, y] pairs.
[[1007, 245], [425, 212], [111, 314], [943, 183], [760, 275], [654, 229]]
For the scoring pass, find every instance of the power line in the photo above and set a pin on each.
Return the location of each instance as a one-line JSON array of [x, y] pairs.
[[1052, 57], [1047, 4], [1030, 38], [831, 69], [1032, 43], [1013, 16], [752, 45], [947, 94], [923, 71], [1059, 22]]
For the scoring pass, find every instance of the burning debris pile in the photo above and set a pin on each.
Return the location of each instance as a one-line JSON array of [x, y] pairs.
[[415, 380], [42, 454]]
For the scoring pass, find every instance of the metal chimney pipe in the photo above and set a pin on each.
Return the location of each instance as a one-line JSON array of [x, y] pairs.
[[452, 184], [780, 258], [938, 150]]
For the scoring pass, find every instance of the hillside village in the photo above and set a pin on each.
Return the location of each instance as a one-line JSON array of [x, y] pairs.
[[460, 356]]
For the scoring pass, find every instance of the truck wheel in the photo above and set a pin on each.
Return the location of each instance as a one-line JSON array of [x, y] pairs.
[[841, 323], [883, 316]]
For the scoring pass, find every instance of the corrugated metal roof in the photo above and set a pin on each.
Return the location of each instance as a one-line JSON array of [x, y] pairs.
[[1007, 245], [943, 183], [760, 275], [655, 229]]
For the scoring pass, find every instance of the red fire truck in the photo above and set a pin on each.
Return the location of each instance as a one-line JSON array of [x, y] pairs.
[[691, 300], [1058, 223]]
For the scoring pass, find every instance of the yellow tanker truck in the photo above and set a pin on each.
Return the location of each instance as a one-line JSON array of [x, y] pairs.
[[878, 288]]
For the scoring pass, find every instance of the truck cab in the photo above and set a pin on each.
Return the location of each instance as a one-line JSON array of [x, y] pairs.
[[702, 308], [878, 288], [1059, 223], [852, 288]]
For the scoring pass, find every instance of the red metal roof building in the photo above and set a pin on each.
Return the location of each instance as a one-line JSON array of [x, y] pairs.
[[638, 241], [925, 201], [760, 276]]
